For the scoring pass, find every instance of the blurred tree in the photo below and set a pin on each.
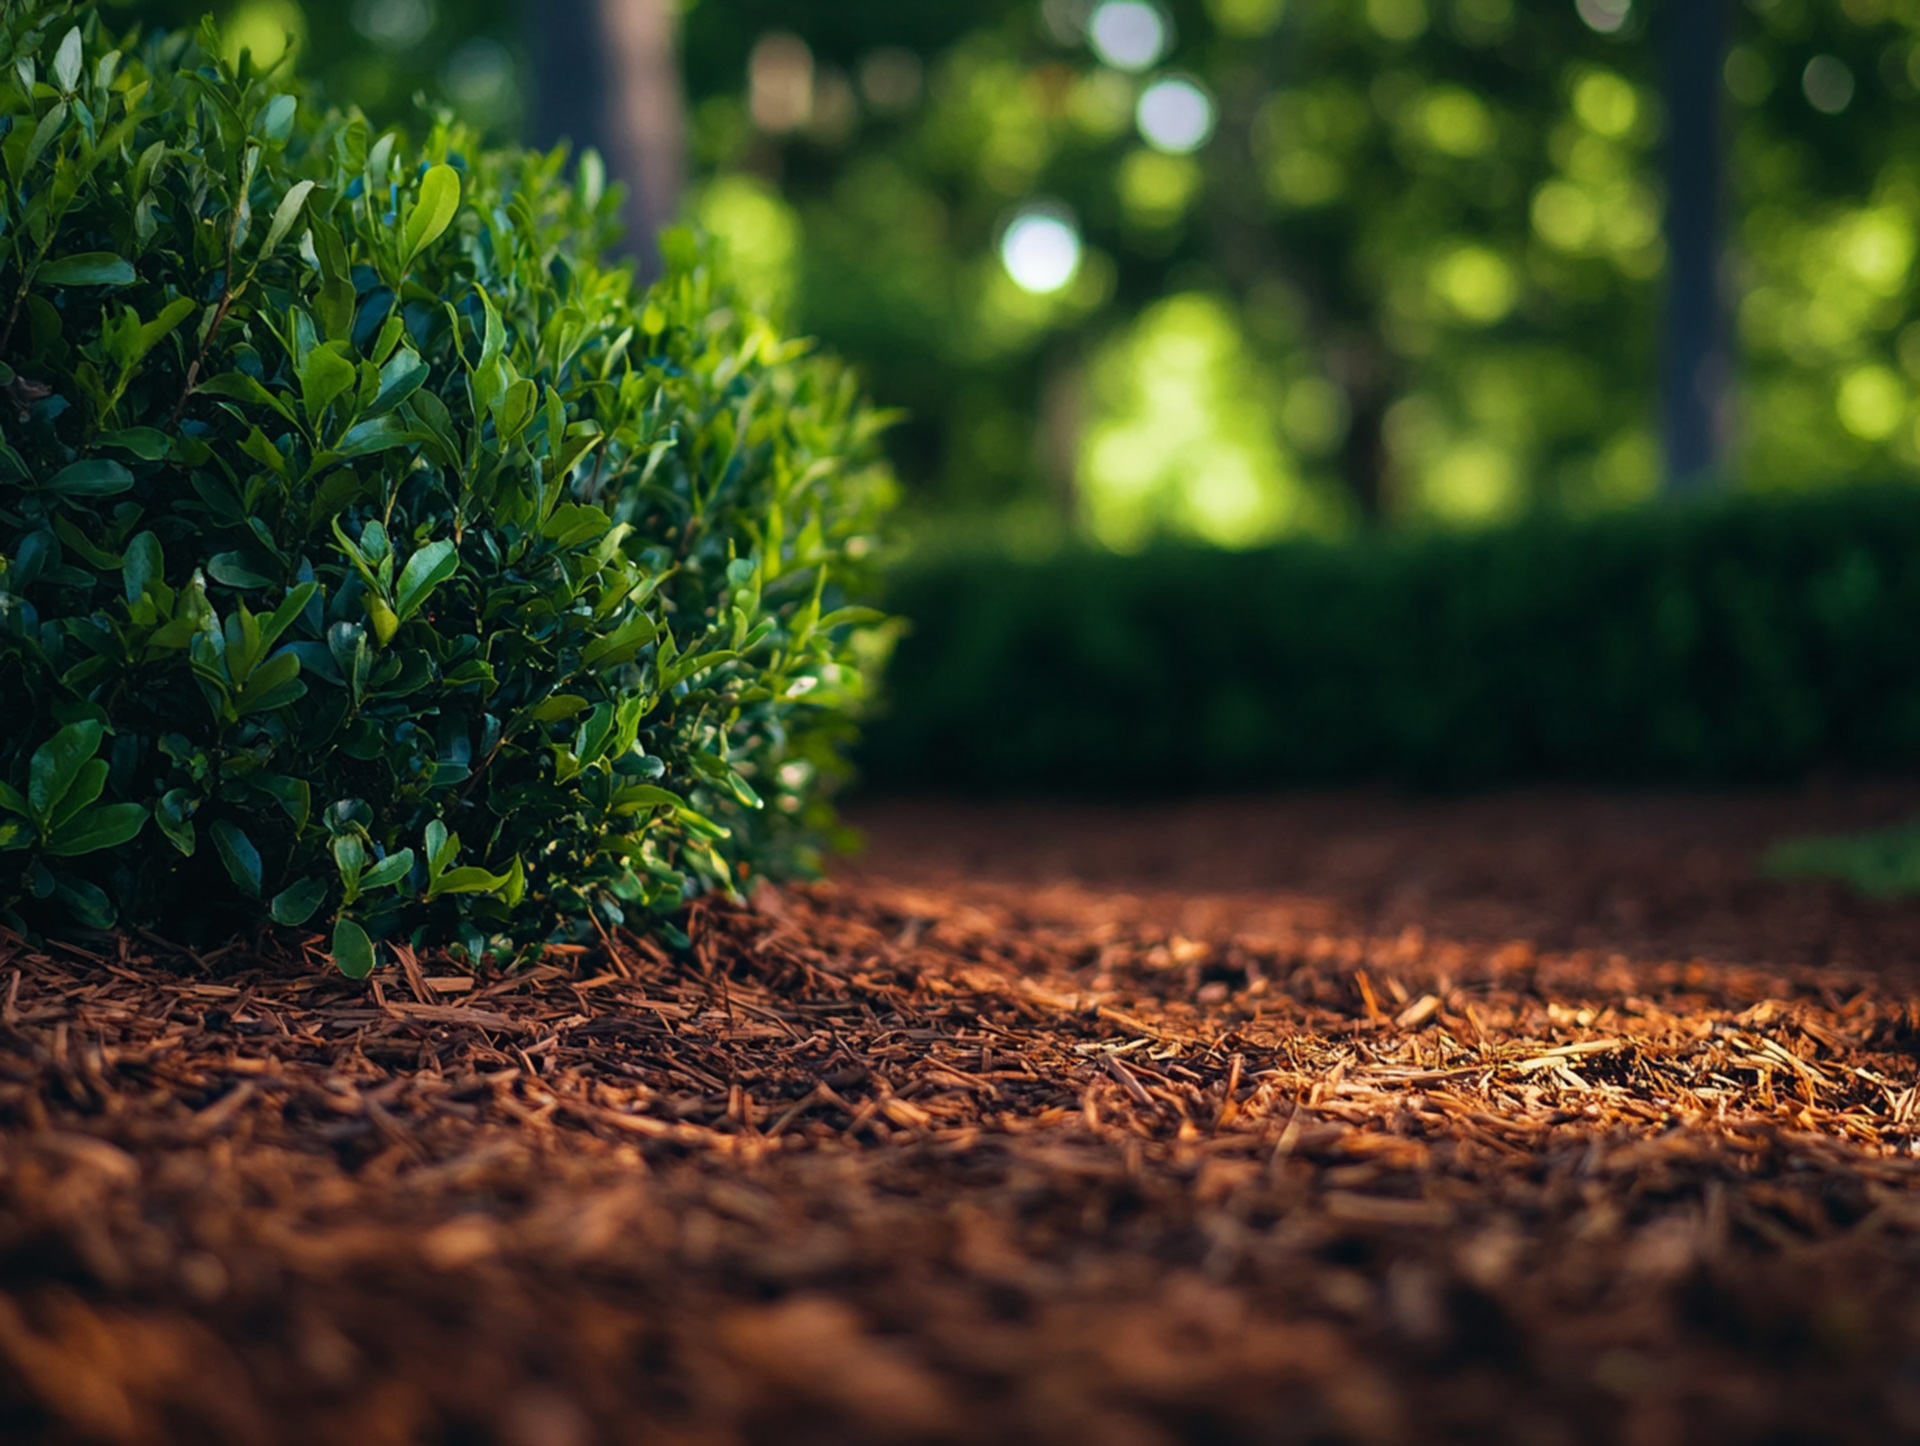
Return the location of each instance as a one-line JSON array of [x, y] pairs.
[[1695, 369], [1229, 268], [605, 74]]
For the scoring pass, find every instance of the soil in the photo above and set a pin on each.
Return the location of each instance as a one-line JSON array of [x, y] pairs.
[[1541, 1118]]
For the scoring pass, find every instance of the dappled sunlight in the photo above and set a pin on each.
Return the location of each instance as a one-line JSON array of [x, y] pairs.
[[1185, 437]]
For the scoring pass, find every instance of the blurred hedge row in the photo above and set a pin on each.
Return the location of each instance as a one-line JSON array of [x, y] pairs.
[[1755, 637]]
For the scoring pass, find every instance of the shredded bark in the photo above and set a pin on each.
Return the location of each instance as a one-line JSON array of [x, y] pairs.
[[907, 1158]]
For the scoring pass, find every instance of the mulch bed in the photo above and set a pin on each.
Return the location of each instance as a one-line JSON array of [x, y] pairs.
[[930, 1154]]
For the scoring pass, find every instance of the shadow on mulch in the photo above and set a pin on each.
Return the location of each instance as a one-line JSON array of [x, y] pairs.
[[898, 1161]]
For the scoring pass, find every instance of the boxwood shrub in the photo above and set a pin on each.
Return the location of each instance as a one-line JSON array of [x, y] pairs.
[[373, 554]]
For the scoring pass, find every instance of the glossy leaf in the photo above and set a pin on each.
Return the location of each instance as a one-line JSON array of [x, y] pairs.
[[89, 268], [352, 950]]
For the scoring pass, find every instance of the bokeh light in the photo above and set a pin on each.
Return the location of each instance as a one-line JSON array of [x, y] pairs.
[[1175, 115], [1828, 84], [1130, 34], [1041, 248], [394, 24], [267, 29], [479, 77], [1605, 16]]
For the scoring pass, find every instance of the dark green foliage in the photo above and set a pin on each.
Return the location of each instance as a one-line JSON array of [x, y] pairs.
[[371, 551], [1756, 638], [1883, 864]]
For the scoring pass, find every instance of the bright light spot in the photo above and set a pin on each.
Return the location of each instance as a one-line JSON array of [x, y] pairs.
[[1878, 246], [266, 28], [1246, 17], [780, 82], [479, 76], [1473, 481], [1183, 437], [1477, 283], [1828, 84], [1605, 16], [394, 24], [1456, 122], [1565, 216], [1872, 403], [1041, 249], [1130, 34], [760, 232], [1606, 104], [1175, 115]]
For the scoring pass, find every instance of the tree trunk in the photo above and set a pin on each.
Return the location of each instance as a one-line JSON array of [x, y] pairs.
[[606, 75], [1695, 369]]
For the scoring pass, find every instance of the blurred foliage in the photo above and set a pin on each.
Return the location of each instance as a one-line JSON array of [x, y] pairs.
[[1413, 270], [1883, 864], [1750, 637]]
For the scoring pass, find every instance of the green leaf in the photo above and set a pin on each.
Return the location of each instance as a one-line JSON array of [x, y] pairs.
[[559, 707], [91, 477], [389, 871], [400, 378], [274, 684], [861, 617], [286, 213], [352, 949], [239, 387], [425, 571], [174, 814], [298, 902], [287, 613], [237, 852], [149, 444], [143, 565], [88, 268], [325, 374], [88, 784], [87, 902], [106, 827], [644, 795], [66, 62], [234, 569], [431, 215], [350, 857], [56, 765], [442, 847], [468, 880]]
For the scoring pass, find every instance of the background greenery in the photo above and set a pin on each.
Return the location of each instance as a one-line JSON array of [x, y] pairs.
[[1413, 273], [1737, 638]]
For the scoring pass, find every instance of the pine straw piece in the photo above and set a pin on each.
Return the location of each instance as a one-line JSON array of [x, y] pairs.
[[875, 1164]]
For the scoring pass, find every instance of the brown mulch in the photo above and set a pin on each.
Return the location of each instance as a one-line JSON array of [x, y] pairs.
[[1537, 1120]]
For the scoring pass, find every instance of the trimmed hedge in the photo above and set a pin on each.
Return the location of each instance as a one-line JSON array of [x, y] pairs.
[[1751, 638]]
